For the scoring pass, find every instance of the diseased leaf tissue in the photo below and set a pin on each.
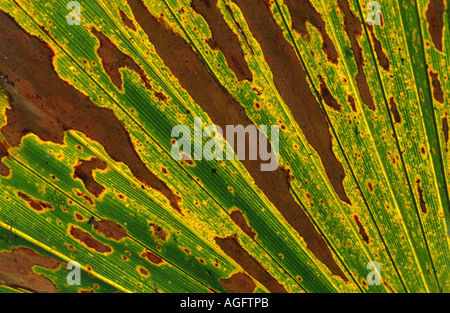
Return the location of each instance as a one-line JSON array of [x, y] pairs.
[[90, 92]]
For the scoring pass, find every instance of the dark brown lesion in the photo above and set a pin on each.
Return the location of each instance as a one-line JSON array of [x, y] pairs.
[[394, 110], [352, 26], [126, 20], [84, 196], [381, 56], [84, 171], [45, 105], [16, 270], [152, 258], [113, 59], [239, 219], [327, 96], [435, 20], [109, 229], [88, 240], [239, 283], [422, 203], [352, 103], [159, 232], [362, 230], [445, 130], [438, 94], [302, 11], [233, 249], [4, 170], [37, 205], [195, 77], [223, 37]]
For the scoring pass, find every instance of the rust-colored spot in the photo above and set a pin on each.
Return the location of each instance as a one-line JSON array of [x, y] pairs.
[[370, 186], [435, 19], [16, 270], [83, 171], [437, 90], [37, 108], [224, 110], [327, 96], [86, 239], [233, 249], [362, 231], [84, 196], [352, 26], [394, 110], [79, 217], [159, 232], [239, 283], [352, 102], [36, 205], [240, 220], [385, 284], [422, 203], [224, 38], [109, 229], [143, 271], [381, 56], [303, 11], [153, 258], [126, 20]]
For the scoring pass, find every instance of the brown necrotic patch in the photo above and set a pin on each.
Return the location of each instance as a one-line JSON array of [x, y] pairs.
[[239, 283], [86, 239], [223, 37], [381, 56], [109, 229], [194, 76], [43, 104], [234, 250], [159, 232], [240, 220], [16, 270], [151, 257], [36, 205], [394, 110], [437, 89], [352, 26], [435, 19], [4, 170], [126, 20], [327, 96], [84, 170], [422, 203], [445, 129], [113, 59], [302, 11], [362, 231], [352, 103]]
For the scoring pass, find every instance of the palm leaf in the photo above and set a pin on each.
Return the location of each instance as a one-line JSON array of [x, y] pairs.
[[87, 173]]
